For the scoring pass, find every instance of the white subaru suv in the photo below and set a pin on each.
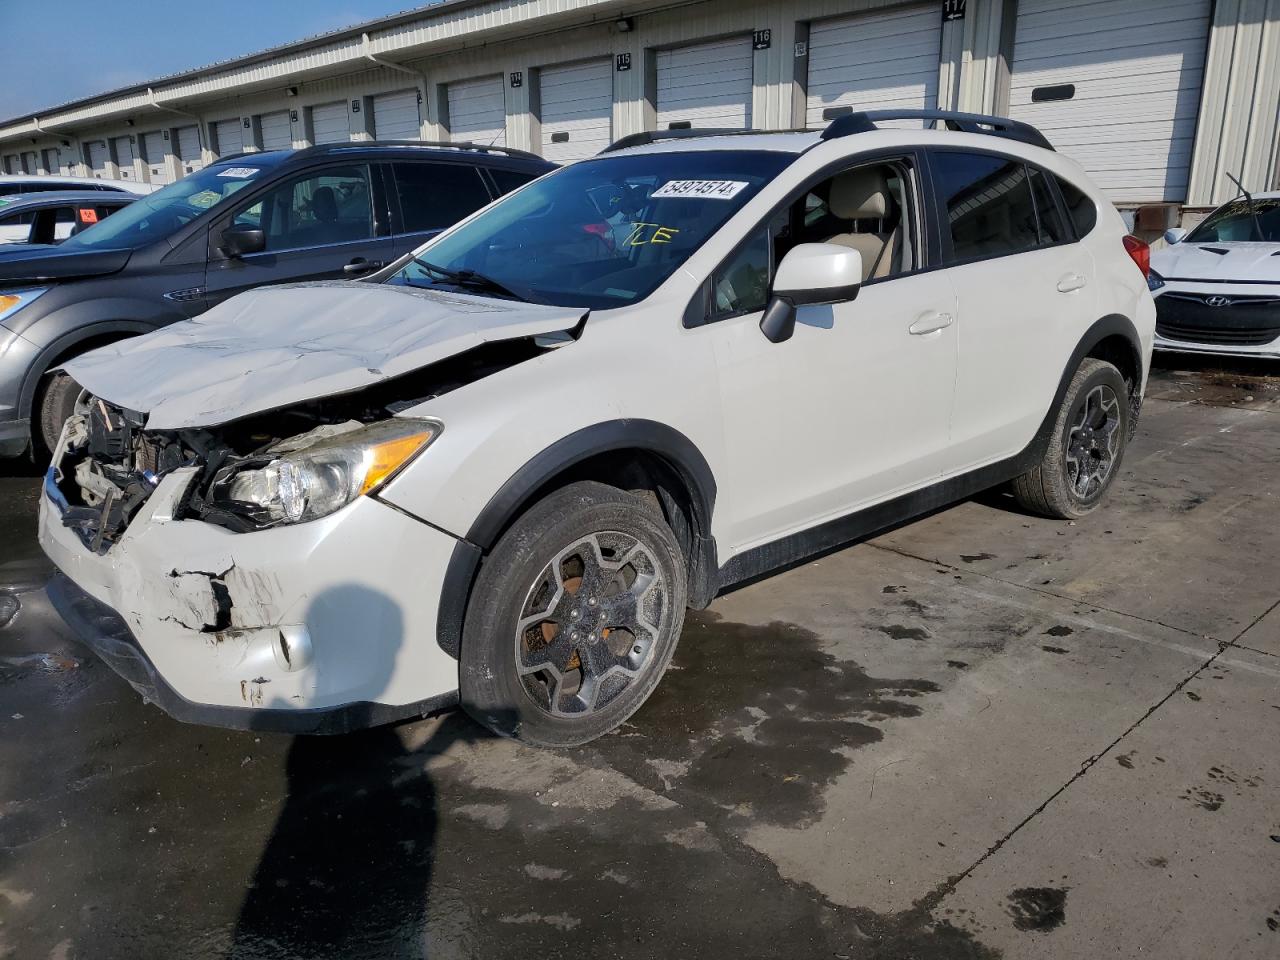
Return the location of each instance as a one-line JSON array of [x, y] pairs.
[[498, 471]]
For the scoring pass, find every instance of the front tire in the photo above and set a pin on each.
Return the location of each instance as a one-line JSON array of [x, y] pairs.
[[1084, 453], [57, 403], [574, 617]]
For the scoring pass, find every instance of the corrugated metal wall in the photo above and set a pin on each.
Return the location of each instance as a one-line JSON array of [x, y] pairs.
[[1236, 124]]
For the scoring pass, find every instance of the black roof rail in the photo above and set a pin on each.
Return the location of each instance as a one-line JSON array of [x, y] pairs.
[[656, 136], [864, 121], [434, 144]]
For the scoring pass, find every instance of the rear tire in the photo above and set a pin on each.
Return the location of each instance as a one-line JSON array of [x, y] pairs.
[[574, 617], [57, 402], [1086, 448]]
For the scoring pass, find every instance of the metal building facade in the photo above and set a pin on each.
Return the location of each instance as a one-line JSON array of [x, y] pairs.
[[1158, 99]]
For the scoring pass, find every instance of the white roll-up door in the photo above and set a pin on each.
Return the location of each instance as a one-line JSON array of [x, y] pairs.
[[577, 109], [395, 116], [154, 147], [227, 137], [51, 160], [98, 158], [275, 131], [329, 123], [477, 111], [876, 61], [705, 85], [124, 158], [30, 164], [1115, 85], [189, 157]]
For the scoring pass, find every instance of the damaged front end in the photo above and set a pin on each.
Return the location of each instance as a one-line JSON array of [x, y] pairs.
[[281, 467]]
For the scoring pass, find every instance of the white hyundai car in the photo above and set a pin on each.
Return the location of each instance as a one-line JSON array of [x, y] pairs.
[[1217, 288], [499, 470]]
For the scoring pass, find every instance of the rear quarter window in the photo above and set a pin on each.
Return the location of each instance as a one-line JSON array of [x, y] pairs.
[[1080, 207]]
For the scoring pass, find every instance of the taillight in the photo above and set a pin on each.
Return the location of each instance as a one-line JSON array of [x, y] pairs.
[[1140, 253]]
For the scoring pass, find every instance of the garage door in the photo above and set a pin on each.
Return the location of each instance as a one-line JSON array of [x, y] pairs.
[[577, 109], [477, 111], [124, 158], [29, 162], [153, 150], [98, 157], [1116, 86], [705, 85], [873, 62], [275, 131], [395, 116], [189, 157], [52, 162], [227, 138], [329, 123]]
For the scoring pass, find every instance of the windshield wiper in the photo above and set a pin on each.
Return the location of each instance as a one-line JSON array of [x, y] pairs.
[[1253, 209], [469, 278]]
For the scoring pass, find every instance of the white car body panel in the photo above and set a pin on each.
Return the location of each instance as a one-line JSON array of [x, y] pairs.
[[80, 183], [854, 410]]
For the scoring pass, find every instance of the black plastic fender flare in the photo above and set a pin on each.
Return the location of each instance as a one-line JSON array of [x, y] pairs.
[[516, 495]]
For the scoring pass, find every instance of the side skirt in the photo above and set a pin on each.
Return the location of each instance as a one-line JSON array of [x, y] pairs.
[[780, 555]]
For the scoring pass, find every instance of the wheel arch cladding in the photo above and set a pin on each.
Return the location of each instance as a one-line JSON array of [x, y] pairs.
[[640, 455], [71, 344], [1112, 338]]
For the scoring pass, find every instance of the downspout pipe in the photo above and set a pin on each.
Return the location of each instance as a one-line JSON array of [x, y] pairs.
[[423, 84]]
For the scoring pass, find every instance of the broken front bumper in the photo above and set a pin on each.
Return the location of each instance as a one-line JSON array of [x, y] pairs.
[[320, 627]]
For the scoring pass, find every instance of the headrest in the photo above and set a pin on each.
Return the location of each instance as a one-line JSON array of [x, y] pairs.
[[861, 194], [324, 205]]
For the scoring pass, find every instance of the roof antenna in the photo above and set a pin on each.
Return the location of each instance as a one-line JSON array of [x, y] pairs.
[[1253, 208]]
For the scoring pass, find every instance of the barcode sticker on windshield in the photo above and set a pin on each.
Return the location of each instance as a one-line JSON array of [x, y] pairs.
[[241, 173], [704, 189]]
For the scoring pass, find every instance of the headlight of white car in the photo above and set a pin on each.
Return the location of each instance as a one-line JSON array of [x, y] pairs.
[[1154, 281], [316, 480]]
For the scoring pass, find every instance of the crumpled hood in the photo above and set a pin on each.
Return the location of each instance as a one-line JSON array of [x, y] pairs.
[[1238, 261], [276, 346]]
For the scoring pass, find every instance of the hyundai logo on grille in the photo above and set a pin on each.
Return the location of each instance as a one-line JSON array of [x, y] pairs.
[[1219, 301]]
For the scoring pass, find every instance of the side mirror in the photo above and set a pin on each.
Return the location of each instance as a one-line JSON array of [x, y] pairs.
[[237, 241], [810, 273], [1174, 235]]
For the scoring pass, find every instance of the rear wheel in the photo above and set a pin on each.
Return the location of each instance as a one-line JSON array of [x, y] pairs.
[[1087, 446], [574, 617]]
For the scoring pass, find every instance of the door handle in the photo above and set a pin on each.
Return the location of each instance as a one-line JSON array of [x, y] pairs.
[[1072, 281], [930, 323], [361, 265]]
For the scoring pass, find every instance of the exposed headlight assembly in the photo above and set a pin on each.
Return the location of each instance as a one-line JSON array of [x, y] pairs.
[[15, 300], [1154, 281], [319, 478]]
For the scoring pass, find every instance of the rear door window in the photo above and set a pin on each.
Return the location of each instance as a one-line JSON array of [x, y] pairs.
[[986, 205], [508, 180], [437, 195]]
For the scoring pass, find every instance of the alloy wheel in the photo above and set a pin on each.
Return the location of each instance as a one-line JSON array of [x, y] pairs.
[[1093, 442], [589, 624]]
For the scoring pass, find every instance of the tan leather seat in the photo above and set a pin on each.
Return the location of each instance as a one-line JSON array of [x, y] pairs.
[[863, 194]]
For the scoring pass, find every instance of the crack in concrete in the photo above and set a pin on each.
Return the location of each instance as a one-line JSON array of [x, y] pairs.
[[1033, 589], [934, 897]]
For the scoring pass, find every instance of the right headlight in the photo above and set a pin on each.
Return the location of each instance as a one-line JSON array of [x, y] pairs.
[[1154, 281], [14, 300], [323, 477]]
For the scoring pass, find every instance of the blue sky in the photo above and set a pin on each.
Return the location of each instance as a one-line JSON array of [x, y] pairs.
[[59, 50]]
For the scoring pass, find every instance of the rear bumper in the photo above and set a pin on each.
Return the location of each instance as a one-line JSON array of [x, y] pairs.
[[105, 632]]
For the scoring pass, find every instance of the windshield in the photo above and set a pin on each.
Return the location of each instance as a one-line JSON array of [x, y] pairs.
[[159, 214], [1235, 222], [600, 233]]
